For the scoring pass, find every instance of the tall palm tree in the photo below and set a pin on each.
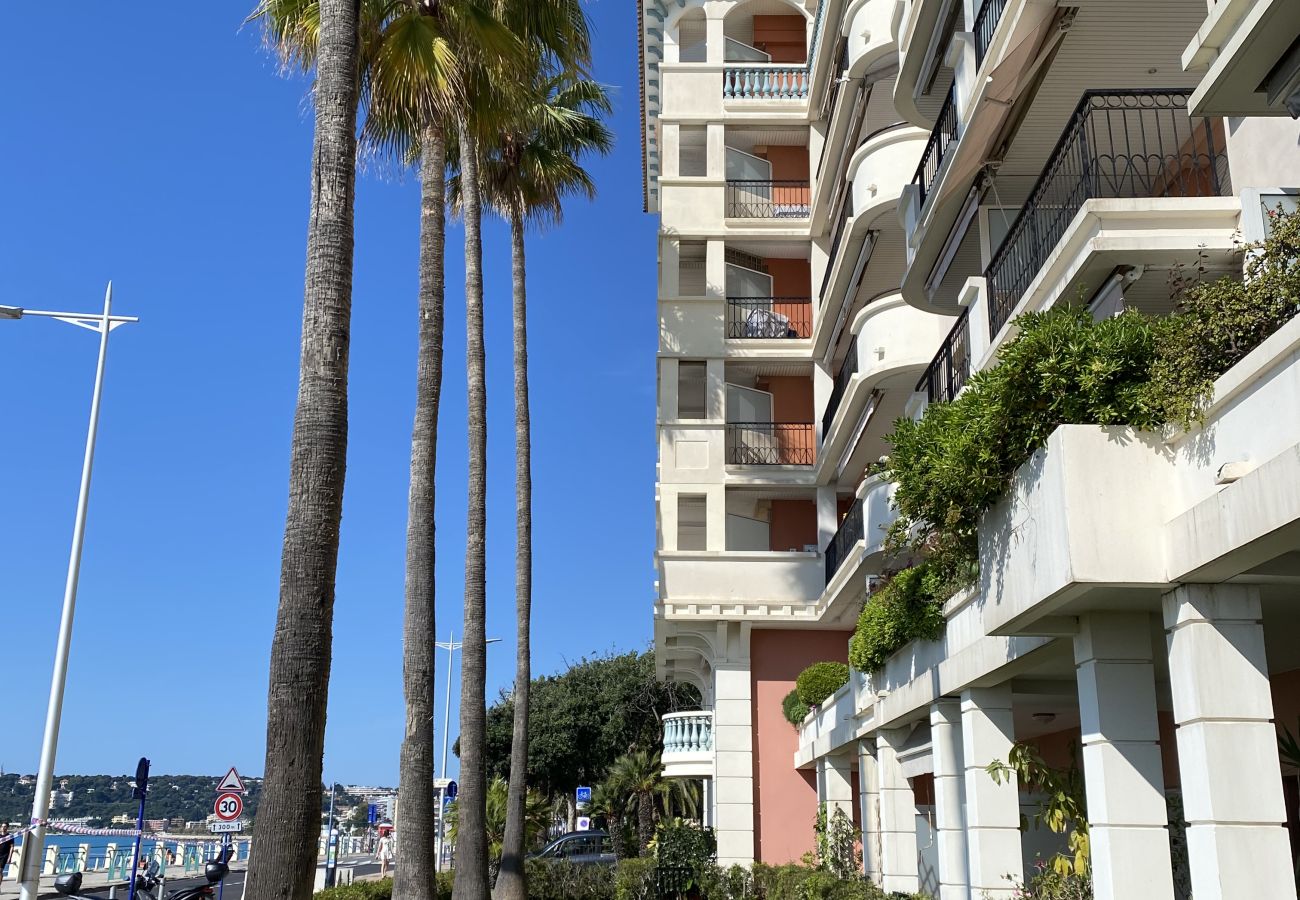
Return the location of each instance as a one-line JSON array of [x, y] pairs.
[[549, 32], [532, 167], [300, 650], [410, 79]]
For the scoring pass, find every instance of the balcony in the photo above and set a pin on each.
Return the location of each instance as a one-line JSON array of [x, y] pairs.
[[748, 199], [943, 136], [1117, 145], [770, 444], [947, 373], [688, 745], [846, 536], [986, 24], [765, 82], [848, 369], [769, 318]]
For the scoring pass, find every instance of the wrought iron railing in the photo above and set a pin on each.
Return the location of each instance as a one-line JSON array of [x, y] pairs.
[[847, 370], [1117, 144], [834, 251], [942, 137], [986, 23], [948, 371], [770, 444], [848, 534], [747, 199], [688, 732], [769, 317], [765, 82]]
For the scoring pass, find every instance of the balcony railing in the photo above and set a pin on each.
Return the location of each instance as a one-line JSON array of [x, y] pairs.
[[769, 317], [942, 137], [948, 371], [1118, 144], [770, 444], [848, 534], [847, 370], [747, 199], [986, 23], [688, 732], [765, 82]]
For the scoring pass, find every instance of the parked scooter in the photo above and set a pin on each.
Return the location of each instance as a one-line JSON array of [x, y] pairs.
[[70, 885]]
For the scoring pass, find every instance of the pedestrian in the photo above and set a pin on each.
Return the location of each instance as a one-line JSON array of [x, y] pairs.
[[6, 848], [384, 853]]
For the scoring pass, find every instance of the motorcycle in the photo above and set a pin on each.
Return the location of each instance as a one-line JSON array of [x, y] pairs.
[[69, 885]]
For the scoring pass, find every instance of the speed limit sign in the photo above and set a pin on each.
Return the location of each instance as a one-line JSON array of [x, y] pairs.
[[229, 807]]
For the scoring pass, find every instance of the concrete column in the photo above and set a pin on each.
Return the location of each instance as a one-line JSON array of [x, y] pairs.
[[715, 152], [715, 35], [835, 783], [898, 862], [706, 802], [949, 799], [669, 148], [734, 765], [1227, 745], [1127, 813], [715, 373], [869, 792], [992, 809]]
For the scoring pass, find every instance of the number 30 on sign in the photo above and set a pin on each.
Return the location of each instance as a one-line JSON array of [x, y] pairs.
[[229, 807]]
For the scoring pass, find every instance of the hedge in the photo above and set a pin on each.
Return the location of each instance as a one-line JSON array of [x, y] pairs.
[[819, 681]]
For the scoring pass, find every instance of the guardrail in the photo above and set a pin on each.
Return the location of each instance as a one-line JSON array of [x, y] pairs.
[[770, 444], [848, 534], [986, 23], [1118, 144], [754, 199], [769, 317], [948, 371], [848, 369], [771, 82], [941, 138], [688, 732]]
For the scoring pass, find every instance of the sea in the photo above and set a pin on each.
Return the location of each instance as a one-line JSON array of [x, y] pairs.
[[69, 845]]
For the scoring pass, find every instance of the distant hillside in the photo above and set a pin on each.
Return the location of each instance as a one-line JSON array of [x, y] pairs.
[[102, 797]]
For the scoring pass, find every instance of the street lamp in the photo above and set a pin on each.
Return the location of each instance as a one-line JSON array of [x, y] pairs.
[[34, 843], [451, 645]]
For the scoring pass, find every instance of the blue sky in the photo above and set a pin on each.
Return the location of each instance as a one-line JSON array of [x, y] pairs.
[[175, 161]]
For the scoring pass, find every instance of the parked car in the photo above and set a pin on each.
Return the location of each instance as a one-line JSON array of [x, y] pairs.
[[581, 847]]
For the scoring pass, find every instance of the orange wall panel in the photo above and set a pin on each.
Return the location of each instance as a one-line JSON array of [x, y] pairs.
[[793, 525], [784, 37], [785, 798]]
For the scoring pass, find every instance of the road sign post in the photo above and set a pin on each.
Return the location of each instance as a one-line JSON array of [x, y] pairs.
[[229, 807], [141, 791]]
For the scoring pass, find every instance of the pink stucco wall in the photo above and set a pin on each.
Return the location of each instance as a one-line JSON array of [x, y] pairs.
[[785, 798]]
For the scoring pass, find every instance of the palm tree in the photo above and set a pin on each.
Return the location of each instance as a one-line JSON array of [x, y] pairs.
[[410, 77], [537, 817], [641, 776], [608, 799], [525, 178], [300, 649]]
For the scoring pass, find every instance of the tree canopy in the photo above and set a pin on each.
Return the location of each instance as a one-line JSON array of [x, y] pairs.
[[584, 718]]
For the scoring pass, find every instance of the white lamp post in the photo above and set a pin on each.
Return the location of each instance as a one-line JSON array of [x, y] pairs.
[[451, 645], [34, 843]]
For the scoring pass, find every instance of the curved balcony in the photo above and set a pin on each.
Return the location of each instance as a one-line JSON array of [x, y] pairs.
[[893, 344], [868, 26], [688, 744], [878, 171]]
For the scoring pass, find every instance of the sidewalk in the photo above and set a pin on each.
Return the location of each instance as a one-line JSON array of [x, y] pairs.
[[98, 883]]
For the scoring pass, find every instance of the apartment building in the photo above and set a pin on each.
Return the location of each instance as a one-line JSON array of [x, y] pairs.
[[857, 198]]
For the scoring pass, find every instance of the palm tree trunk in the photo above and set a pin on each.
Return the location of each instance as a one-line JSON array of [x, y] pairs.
[[285, 862], [645, 819], [511, 882], [413, 875], [471, 846]]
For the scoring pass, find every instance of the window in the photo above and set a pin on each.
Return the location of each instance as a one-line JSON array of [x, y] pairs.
[[691, 281], [692, 150], [691, 529], [692, 393]]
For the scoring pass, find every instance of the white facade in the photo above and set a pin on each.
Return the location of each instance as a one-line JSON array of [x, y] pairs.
[[848, 230]]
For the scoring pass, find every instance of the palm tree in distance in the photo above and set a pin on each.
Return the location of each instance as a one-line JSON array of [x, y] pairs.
[[528, 172], [301, 646], [640, 775]]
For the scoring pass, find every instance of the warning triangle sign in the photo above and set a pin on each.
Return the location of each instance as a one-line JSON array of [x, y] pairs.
[[232, 782]]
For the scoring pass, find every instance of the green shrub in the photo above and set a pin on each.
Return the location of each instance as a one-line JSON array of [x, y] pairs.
[[381, 890], [558, 880], [793, 882], [908, 607], [820, 680], [795, 710], [682, 852], [634, 879]]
